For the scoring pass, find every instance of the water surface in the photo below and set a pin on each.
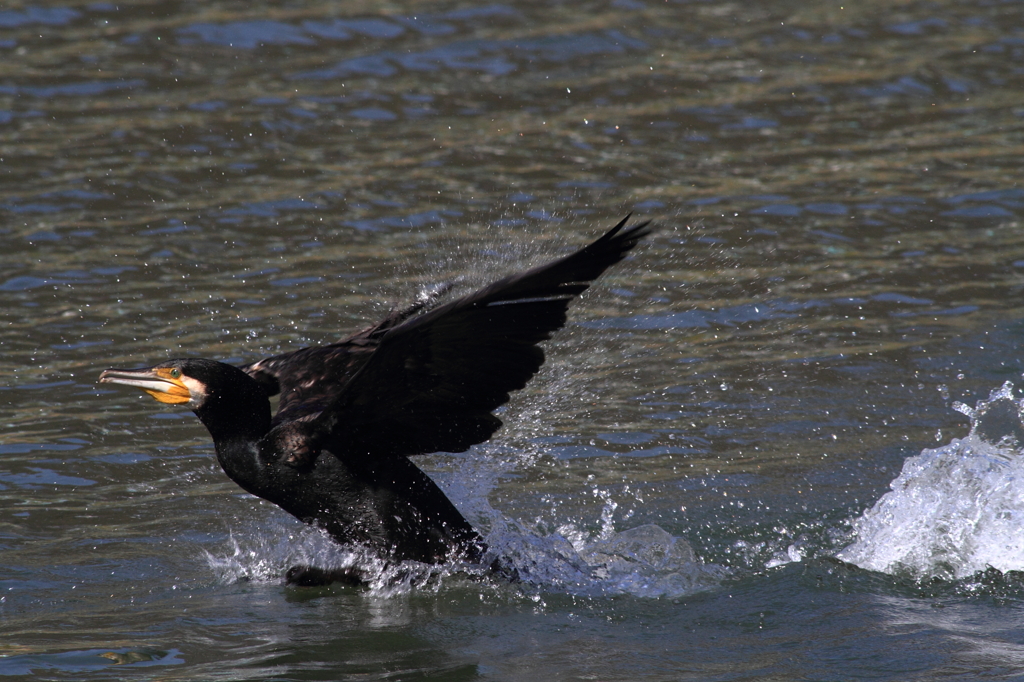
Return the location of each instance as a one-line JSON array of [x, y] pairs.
[[840, 261]]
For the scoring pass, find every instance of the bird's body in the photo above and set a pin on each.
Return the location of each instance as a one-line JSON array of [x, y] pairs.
[[425, 379]]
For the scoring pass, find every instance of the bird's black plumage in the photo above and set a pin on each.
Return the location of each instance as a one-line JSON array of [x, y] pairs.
[[425, 379]]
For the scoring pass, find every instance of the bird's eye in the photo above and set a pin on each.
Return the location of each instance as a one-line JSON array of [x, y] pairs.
[[175, 373]]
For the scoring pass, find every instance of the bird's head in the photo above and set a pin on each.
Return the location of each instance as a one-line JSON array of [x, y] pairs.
[[176, 382], [227, 400]]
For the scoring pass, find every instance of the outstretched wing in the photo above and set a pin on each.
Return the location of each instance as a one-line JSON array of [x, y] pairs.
[[434, 379], [308, 379]]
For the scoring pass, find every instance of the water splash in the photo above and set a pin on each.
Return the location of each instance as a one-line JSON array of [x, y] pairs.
[[645, 561], [263, 555], [955, 510]]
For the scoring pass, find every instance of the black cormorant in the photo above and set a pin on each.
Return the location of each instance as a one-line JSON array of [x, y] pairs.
[[425, 379]]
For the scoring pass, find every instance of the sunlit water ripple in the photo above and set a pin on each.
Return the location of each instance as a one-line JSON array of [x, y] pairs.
[[749, 454]]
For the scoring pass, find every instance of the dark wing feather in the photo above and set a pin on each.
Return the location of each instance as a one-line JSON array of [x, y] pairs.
[[308, 379], [434, 379]]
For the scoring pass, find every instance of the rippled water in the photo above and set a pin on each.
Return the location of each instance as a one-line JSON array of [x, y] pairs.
[[698, 484]]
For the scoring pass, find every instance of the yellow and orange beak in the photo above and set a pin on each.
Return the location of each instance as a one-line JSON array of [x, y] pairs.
[[163, 383]]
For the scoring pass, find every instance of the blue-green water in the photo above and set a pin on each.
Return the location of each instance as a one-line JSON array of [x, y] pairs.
[[840, 261]]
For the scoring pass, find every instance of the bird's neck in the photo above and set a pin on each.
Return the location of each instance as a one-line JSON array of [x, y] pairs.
[[237, 425], [240, 418]]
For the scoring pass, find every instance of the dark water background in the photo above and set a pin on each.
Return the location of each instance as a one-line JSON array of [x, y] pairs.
[[841, 258]]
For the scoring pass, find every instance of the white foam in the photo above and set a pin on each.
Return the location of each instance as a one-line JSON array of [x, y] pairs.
[[953, 510]]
